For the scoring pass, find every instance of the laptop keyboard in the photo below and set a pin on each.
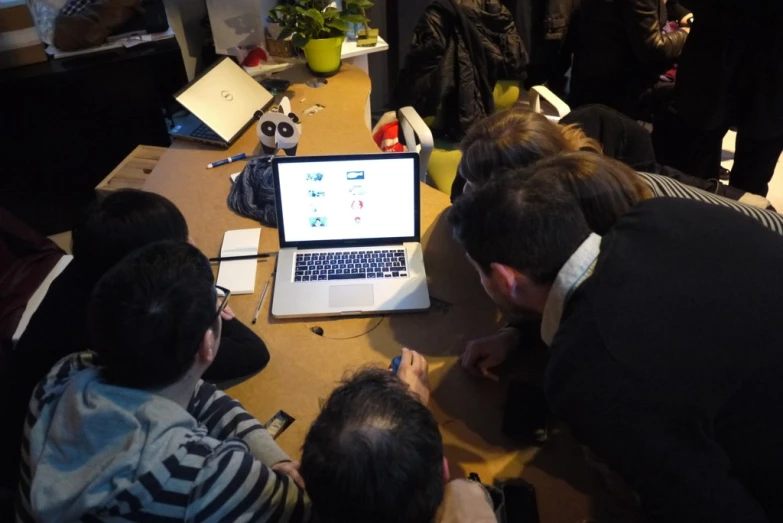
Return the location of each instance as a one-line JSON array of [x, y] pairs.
[[350, 265], [205, 133]]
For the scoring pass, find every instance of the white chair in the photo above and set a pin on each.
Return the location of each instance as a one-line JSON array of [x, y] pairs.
[[417, 134], [539, 92]]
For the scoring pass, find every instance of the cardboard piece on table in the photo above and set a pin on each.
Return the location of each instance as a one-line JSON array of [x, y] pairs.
[[239, 276], [279, 129]]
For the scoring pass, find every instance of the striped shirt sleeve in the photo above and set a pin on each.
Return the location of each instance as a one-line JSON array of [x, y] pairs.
[[233, 486], [663, 186], [224, 418]]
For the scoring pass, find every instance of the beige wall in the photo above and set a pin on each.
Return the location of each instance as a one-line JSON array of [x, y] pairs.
[[237, 23], [185, 19]]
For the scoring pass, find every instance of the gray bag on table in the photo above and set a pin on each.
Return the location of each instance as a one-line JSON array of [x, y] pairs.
[[253, 192]]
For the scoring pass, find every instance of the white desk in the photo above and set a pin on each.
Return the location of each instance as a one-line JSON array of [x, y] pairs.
[[357, 56]]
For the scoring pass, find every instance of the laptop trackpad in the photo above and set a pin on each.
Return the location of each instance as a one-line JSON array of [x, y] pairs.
[[350, 296]]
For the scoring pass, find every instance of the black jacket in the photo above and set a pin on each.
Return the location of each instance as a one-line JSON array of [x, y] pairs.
[[667, 362], [619, 52], [731, 70], [459, 50]]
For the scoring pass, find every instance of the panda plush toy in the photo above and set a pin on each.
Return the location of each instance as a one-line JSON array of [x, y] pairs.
[[279, 129]]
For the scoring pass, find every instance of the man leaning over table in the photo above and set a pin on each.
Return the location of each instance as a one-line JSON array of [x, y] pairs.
[[665, 344]]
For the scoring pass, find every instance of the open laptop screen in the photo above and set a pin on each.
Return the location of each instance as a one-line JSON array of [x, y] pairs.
[[345, 200]]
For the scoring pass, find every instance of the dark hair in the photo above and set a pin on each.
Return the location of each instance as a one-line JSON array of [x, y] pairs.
[[374, 454], [605, 189], [148, 314], [121, 223], [531, 225]]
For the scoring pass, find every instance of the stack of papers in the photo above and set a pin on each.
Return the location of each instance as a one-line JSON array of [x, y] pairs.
[[128, 41]]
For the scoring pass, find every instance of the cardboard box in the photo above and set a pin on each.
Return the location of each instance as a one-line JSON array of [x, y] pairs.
[[19, 40], [132, 172]]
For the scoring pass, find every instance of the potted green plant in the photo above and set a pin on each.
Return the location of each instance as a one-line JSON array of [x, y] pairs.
[[319, 28]]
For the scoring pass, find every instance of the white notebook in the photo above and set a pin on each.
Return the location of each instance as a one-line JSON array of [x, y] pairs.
[[239, 276]]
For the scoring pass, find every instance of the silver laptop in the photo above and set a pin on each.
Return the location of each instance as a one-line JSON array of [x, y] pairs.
[[349, 235], [222, 101]]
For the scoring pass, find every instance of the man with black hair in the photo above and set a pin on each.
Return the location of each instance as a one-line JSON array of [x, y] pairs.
[[664, 371], [132, 432], [111, 229], [375, 454]]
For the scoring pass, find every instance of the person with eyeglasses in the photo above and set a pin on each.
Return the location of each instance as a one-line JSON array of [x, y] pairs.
[[131, 431], [108, 231]]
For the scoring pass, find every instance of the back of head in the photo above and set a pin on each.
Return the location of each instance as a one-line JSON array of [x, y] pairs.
[[514, 139], [123, 222], [604, 188], [374, 454], [531, 225], [149, 313]]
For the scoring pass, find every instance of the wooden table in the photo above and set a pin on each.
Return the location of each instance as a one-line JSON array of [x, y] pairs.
[[305, 367]]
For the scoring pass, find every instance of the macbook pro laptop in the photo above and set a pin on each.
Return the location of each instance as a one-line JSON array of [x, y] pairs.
[[349, 235], [222, 102]]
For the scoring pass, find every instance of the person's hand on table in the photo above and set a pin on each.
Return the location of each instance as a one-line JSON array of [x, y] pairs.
[[227, 314], [290, 469], [486, 353], [414, 372]]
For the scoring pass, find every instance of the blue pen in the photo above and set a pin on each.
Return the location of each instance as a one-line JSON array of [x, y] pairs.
[[395, 364], [218, 163]]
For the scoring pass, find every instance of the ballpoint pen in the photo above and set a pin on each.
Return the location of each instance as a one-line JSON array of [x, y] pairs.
[[218, 163], [243, 257], [260, 302]]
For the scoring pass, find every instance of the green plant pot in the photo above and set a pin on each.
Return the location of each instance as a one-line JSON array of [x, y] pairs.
[[323, 54]]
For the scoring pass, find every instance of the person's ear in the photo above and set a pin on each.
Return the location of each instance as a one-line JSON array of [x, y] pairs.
[[510, 280], [207, 349], [446, 472], [192, 241], [504, 276]]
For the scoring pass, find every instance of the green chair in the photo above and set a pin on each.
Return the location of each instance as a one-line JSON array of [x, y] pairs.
[[440, 158]]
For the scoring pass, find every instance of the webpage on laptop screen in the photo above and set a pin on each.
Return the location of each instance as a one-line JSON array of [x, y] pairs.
[[347, 200]]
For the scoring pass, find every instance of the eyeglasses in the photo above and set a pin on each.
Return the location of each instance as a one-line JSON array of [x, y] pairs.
[[222, 300], [223, 295]]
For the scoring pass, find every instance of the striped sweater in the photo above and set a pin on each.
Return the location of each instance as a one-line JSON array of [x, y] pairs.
[[97, 452], [664, 186]]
